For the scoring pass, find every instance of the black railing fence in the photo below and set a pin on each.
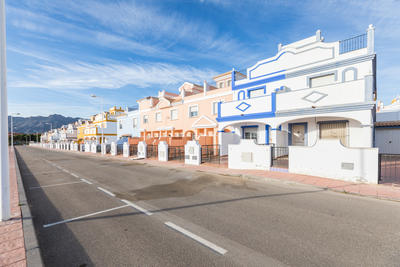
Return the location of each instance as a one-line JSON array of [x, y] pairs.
[[152, 151], [211, 153], [176, 153], [280, 156], [353, 43], [133, 150], [389, 168]]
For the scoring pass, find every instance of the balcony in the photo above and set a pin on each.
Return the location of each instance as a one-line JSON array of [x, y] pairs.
[[322, 96], [354, 43], [258, 107], [336, 94]]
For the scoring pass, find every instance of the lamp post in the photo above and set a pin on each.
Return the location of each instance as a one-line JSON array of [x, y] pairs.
[[101, 112], [12, 127], [4, 165]]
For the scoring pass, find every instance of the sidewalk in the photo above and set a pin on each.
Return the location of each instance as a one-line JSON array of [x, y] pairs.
[[381, 191], [12, 245]]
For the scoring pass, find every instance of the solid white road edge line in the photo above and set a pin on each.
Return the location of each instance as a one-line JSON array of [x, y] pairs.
[[83, 216], [106, 191], [73, 174], [137, 207], [86, 181], [197, 238], [51, 185]]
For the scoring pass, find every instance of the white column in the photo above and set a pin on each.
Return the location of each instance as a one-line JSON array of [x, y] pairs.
[[4, 164]]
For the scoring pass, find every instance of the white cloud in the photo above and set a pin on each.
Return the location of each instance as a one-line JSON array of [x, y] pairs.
[[58, 75]]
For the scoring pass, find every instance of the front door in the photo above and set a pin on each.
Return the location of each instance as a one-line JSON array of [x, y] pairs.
[[298, 134]]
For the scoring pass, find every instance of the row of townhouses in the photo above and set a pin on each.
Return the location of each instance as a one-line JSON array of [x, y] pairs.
[[310, 108]]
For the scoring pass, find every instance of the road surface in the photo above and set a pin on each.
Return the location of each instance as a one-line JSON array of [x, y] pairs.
[[107, 212]]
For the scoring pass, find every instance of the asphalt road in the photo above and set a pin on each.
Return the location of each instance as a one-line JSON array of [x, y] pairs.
[[184, 218]]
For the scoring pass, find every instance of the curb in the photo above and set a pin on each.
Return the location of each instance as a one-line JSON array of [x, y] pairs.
[[32, 250]]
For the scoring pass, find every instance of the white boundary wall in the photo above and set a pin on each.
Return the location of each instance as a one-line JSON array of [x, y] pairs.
[[248, 155], [192, 153], [162, 151], [113, 149], [125, 150], [329, 158], [142, 150]]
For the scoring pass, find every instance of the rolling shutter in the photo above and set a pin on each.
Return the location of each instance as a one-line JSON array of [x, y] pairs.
[[334, 130]]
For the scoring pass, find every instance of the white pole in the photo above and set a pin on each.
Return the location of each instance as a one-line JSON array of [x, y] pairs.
[[102, 134], [4, 164], [12, 131]]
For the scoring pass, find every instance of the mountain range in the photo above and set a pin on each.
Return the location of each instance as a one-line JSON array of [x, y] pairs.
[[39, 124]]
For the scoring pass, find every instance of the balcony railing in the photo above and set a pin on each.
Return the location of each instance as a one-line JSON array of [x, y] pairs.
[[354, 43]]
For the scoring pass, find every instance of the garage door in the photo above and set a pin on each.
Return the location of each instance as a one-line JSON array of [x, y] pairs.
[[334, 130], [388, 140]]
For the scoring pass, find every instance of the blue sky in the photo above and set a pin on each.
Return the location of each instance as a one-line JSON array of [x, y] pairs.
[[61, 52]]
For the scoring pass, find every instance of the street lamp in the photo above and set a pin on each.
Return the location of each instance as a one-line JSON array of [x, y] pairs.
[[101, 112], [12, 127], [4, 165]]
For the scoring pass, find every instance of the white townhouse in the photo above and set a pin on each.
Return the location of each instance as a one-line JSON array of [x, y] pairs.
[[309, 90], [128, 123], [103, 124], [68, 133]]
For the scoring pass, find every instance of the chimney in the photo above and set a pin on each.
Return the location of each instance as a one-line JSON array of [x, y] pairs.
[[205, 87]]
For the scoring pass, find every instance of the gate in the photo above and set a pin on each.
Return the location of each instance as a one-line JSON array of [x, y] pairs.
[[211, 153], [389, 168], [133, 150], [280, 157], [152, 151], [176, 153]]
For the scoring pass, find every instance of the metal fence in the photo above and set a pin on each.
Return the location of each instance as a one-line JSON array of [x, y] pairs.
[[389, 168], [211, 153], [176, 153], [133, 150], [120, 149], [152, 151], [353, 43], [280, 156]]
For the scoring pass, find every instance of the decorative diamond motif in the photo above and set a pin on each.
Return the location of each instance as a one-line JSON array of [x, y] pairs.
[[243, 106], [314, 96]]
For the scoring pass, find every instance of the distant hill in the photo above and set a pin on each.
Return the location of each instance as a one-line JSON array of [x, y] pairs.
[[38, 123]]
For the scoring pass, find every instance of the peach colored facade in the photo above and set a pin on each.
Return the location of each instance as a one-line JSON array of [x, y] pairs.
[[189, 113]]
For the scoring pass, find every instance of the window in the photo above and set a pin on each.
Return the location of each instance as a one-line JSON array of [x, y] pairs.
[[215, 108], [158, 116], [255, 93], [193, 111], [322, 80], [220, 84], [334, 130], [229, 83], [120, 125], [134, 122], [145, 119], [174, 114]]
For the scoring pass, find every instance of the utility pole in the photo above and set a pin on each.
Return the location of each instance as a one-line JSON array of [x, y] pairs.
[[4, 164]]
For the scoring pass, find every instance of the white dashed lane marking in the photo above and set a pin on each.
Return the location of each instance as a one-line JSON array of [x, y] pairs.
[[51, 185], [197, 238], [137, 207], [106, 191], [83, 216]]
